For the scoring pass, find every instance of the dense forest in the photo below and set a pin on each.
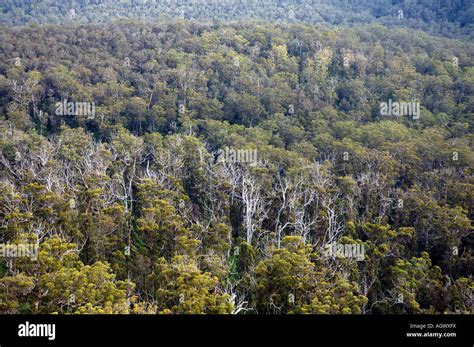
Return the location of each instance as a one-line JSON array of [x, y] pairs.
[[189, 166], [446, 17]]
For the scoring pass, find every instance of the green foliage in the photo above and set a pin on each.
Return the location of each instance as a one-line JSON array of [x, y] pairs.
[[58, 282], [450, 18], [183, 288], [136, 211], [289, 282]]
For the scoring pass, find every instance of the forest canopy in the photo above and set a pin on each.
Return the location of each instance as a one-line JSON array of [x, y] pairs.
[[182, 166], [445, 17]]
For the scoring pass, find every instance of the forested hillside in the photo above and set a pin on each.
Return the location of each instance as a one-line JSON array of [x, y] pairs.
[[445, 17], [191, 167], [159, 221]]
